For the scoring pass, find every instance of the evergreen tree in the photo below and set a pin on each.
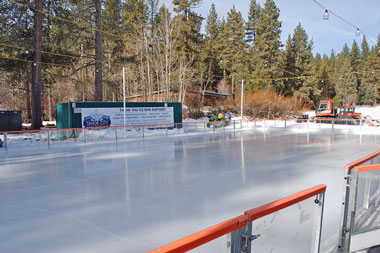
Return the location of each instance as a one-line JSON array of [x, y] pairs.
[[324, 77], [212, 48], [233, 53], [365, 48], [188, 39], [288, 67], [345, 51], [370, 85], [346, 85], [267, 43], [355, 57], [305, 65], [253, 18]]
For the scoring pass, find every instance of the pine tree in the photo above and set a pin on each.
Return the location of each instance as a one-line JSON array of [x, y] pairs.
[[188, 39], [324, 77], [288, 67], [305, 65], [365, 48], [267, 43], [345, 51], [233, 53], [212, 48], [302, 50], [370, 85], [253, 18], [354, 56], [346, 85]]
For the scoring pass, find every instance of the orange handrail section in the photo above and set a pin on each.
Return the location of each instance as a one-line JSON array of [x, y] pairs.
[[228, 226], [367, 168], [356, 163]]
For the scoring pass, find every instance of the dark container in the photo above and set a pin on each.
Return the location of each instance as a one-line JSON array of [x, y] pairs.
[[10, 121]]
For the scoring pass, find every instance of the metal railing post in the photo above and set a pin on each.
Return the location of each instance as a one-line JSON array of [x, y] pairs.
[[204, 126], [234, 124], [241, 123], [308, 124], [213, 127], [143, 128], [84, 135], [285, 123], [320, 201], [239, 241], [166, 129], [332, 125], [116, 133], [48, 139], [6, 140]]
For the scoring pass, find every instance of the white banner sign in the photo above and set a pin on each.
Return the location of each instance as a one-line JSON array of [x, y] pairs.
[[97, 117]]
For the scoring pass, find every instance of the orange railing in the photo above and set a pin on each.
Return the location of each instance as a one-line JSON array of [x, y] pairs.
[[349, 192], [362, 160], [228, 226]]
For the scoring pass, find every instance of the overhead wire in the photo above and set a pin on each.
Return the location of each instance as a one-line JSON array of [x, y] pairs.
[[24, 60], [66, 20], [343, 19]]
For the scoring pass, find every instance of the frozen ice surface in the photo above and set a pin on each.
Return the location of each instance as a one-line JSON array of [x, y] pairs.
[[134, 196]]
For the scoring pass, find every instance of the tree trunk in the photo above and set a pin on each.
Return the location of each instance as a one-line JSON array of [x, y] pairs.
[[28, 108], [233, 85], [36, 68], [98, 52]]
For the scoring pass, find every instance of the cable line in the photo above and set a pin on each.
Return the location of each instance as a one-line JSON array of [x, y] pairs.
[[67, 20], [342, 19], [23, 60]]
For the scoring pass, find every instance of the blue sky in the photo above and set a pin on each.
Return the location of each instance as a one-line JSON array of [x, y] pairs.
[[326, 34]]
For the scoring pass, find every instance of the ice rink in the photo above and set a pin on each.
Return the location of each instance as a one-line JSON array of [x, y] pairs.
[[134, 196]]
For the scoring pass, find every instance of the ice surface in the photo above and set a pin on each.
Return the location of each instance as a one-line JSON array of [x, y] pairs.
[[134, 196]]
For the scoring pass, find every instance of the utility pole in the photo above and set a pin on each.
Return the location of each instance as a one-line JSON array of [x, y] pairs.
[[36, 67], [98, 52], [242, 98], [125, 121]]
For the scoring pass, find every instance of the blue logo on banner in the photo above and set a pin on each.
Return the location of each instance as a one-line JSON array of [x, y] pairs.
[[97, 120]]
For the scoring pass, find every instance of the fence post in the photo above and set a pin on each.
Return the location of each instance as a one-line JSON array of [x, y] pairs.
[[332, 125], [213, 127], [6, 140], [166, 129], [308, 123], [241, 123], [116, 133], [48, 139], [234, 124], [84, 135], [285, 123], [240, 240], [320, 201], [143, 131]]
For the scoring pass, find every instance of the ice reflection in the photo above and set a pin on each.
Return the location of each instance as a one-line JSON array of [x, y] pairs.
[[160, 189]]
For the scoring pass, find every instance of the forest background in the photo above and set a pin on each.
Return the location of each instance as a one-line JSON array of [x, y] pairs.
[[69, 50]]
